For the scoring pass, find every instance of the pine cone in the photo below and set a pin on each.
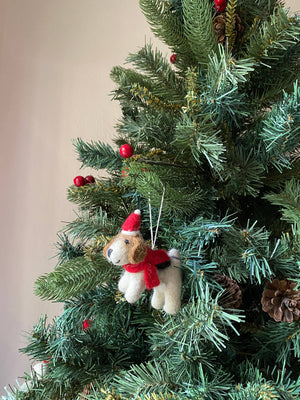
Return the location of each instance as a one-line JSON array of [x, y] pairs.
[[232, 297], [219, 24], [281, 301]]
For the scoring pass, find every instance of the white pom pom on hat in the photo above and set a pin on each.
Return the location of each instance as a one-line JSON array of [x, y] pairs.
[[132, 223]]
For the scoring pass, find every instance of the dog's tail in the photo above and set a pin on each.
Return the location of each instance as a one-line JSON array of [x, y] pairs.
[[175, 255]]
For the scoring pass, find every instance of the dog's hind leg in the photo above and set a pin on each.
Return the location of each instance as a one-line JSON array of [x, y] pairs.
[[171, 276]]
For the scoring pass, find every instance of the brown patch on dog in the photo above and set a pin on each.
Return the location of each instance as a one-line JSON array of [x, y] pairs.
[[138, 249]]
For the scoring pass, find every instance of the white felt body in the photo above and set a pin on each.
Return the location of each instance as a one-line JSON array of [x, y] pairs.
[[166, 296]]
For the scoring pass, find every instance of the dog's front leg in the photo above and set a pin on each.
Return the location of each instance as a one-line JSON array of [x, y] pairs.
[[132, 285], [124, 281]]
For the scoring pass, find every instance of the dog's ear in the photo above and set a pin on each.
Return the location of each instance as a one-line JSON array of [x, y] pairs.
[[138, 251]]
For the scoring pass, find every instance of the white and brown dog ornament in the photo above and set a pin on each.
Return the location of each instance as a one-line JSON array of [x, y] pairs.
[[145, 268]]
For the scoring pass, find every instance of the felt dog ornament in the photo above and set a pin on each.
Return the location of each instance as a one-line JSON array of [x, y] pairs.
[[145, 268]]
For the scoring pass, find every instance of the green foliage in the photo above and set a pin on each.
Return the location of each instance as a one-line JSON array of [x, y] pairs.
[[167, 26], [278, 343], [199, 320], [198, 31], [225, 75], [152, 184], [98, 155], [125, 79], [88, 226], [280, 130], [273, 35], [245, 174], [289, 201], [244, 253], [74, 277], [274, 43], [202, 141], [97, 353], [155, 129], [103, 194], [257, 386], [67, 250], [145, 378], [165, 82]]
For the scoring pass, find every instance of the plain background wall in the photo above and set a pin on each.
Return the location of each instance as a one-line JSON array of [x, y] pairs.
[[55, 59]]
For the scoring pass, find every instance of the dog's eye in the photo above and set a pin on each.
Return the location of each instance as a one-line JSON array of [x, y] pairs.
[[126, 241]]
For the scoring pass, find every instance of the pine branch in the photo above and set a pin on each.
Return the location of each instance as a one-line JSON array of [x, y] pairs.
[[101, 194], [151, 181], [167, 84], [168, 27], [198, 31], [76, 356], [149, 99], [67, 250], [125, 79], [221, 95], [273, 37], [280, 130], [244, 172], [200, 321], [202, 140], [289, 200], [244, 253], [278, 343], [275, 177], [98, 155], [87, 226], [155, 128], [273, 384], [74, 277], [150, 377], [211, 386]]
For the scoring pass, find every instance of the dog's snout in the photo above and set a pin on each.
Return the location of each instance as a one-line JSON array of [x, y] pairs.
[[109, 252]]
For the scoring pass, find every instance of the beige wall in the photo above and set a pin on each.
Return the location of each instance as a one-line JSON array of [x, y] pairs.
[[55, 59]]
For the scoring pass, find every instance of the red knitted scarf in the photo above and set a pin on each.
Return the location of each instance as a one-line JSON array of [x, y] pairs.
[[148, 265]]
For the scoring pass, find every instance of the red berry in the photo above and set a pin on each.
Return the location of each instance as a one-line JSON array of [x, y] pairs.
[[90, 179], [126, 151], [79, 181], [125, 172], [85, 324], [173, 58], [220, 5]]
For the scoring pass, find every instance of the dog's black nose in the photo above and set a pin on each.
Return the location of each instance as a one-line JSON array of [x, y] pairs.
[[109, 252]]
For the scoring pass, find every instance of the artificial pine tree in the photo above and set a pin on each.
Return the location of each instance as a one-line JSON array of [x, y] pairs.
[[215, 134]]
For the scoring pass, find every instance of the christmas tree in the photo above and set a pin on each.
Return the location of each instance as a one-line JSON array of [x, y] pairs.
[[208, 150]]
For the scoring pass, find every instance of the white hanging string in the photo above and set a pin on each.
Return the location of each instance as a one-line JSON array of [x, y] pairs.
[[158, 219], [151, 226]]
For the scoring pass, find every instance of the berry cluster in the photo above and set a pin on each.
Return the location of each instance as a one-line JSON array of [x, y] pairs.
[[81, 181]]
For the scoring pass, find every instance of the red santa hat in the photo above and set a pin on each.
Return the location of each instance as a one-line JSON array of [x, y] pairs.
[[132, 224]]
